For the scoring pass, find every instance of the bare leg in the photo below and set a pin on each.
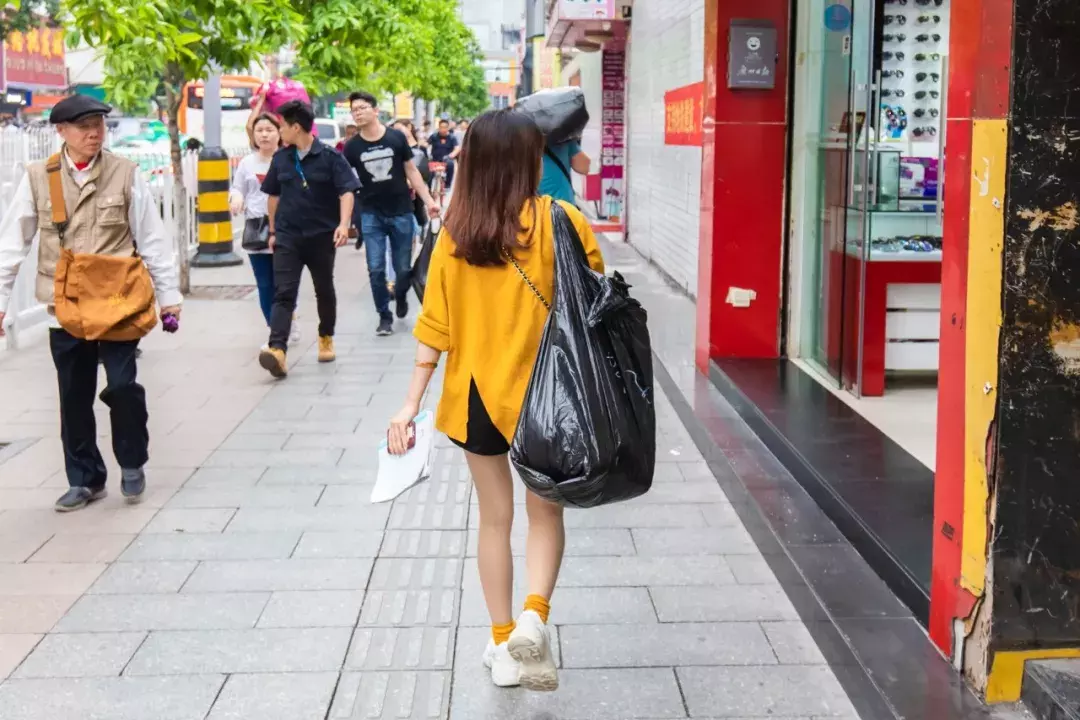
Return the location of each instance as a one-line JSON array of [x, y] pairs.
[[544, 547], [495, 492]]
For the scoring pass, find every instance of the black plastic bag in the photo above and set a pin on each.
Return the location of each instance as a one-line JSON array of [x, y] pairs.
[[587, 433], [560, 113], [423, 261]]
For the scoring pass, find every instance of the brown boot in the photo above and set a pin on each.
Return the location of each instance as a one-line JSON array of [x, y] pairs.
[[326, 349], [273, 360]]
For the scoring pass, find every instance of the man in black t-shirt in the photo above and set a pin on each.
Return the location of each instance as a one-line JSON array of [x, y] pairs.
[[445, 149], [383, 161]]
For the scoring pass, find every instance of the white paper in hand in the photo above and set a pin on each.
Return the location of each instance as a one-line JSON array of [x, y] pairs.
[[398, 473]]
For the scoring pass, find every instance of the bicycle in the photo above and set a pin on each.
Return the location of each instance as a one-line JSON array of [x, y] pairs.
[[438, 182]]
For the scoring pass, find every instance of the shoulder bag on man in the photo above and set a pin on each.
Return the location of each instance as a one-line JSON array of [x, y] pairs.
[[98, 297]]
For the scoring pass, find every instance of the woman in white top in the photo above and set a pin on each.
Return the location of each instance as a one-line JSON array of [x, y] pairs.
[[248, 198]]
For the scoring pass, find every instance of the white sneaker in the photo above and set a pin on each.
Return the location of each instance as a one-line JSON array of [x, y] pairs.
[[505, 670], [530, 645], [294, 332]]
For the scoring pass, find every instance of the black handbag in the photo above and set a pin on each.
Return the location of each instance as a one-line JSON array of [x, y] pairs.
[[256, 234]]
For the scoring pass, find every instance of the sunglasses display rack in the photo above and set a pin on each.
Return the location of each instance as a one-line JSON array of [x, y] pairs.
[[915, 37]]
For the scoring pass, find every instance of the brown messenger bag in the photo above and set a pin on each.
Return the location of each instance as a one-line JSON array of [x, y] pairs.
[[98, 297]]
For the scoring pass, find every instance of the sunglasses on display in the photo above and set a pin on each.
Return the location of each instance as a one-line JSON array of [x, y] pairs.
[[927, 38], [896, 2], [921, 77], [893, 93], [925, 3], [898, 74], [923, 57], [923, 93], [928, 131], [899, 57], [898, 19], [894, 38], [924, 19], [921, 112]]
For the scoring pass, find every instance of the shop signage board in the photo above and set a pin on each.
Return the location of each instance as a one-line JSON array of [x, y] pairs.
[[586, 9], [683, 114], [35, 59], [752, 55], [613, 129]]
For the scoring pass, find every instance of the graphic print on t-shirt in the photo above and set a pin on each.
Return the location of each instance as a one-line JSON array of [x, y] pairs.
[[379, 162], [260, 177]]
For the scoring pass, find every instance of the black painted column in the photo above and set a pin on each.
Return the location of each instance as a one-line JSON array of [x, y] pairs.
[[1034, 456]]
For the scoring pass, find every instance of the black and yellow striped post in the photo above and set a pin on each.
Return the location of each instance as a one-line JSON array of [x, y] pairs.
[[215, 220]]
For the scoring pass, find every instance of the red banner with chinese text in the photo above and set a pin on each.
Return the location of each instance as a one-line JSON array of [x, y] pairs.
[[35, 58], [683, 111]]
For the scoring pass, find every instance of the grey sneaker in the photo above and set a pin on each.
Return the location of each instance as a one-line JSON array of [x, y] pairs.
[[386, 327], [78, 497], [132, 484]]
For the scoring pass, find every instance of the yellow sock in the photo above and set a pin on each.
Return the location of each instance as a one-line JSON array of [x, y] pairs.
[[501, 633], [538, 605]]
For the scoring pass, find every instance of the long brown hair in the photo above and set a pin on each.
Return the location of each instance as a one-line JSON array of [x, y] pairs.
[[498, 173]]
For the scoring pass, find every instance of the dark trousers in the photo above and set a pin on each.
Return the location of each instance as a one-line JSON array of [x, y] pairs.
[[291, 256], [396, 233], [77, 370]]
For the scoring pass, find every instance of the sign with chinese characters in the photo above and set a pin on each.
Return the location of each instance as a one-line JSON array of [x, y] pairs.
[[683, 115], [586, 9], [613, 139], [751, 55], [35, 58]]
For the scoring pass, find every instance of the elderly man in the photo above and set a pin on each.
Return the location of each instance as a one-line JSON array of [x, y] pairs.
[[110, 213]]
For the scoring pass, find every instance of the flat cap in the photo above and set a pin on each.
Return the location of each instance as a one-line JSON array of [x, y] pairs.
[[75, 107]]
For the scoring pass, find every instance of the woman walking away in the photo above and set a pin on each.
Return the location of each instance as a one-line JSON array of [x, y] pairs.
[[492, 264], [246, 196]]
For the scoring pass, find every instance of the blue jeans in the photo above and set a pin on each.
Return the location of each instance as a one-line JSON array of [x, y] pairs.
[[262, 264], [379, 233]]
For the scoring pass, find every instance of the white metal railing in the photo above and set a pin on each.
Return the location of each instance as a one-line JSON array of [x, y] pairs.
[[18, 147]]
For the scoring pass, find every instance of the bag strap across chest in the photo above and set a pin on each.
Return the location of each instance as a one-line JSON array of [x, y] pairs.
[[53, 170]]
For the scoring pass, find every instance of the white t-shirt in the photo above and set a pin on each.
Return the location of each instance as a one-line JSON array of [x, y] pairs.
[[247, 185]]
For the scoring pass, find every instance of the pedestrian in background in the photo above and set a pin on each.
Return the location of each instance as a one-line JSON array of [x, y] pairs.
[[247, 197], [310, 207], [491, 278], [559, 160], [113, 214], [445, 148], [384, 163]]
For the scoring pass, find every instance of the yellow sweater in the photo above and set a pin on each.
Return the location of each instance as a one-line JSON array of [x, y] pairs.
[[489, 323]]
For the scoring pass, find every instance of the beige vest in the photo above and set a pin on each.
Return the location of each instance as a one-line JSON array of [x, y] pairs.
[[97, 215]]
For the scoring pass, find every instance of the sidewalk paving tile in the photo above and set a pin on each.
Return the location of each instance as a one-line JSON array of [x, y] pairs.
[[172, 520], [186, 697], [763, 691], [610, 694], [312, 608], [241, 651], [89, 548], [120, 613], [275, 696], [214, 576], [652, 645], [32, 613], [14, 647], [143, 577], [340, 544], [48, 578], [81, 655], [392, 695], [402, 648], [212, 546]]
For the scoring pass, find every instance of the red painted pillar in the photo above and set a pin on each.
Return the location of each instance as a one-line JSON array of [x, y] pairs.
[[980, 47], [744, 169]]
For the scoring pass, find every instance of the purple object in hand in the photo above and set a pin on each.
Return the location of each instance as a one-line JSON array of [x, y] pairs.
[[170, 323]]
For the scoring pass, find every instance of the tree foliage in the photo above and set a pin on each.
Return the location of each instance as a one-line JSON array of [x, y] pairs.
[[26, 15]]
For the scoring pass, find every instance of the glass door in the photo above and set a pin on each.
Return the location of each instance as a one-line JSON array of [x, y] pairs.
[[865, 84], [826, 132]]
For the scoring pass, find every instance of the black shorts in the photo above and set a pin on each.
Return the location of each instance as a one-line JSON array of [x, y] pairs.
[[482, 437]]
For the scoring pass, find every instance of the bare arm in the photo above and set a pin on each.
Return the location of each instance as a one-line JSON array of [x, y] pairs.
[[416, 182], [581, 163], [398, 434]]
